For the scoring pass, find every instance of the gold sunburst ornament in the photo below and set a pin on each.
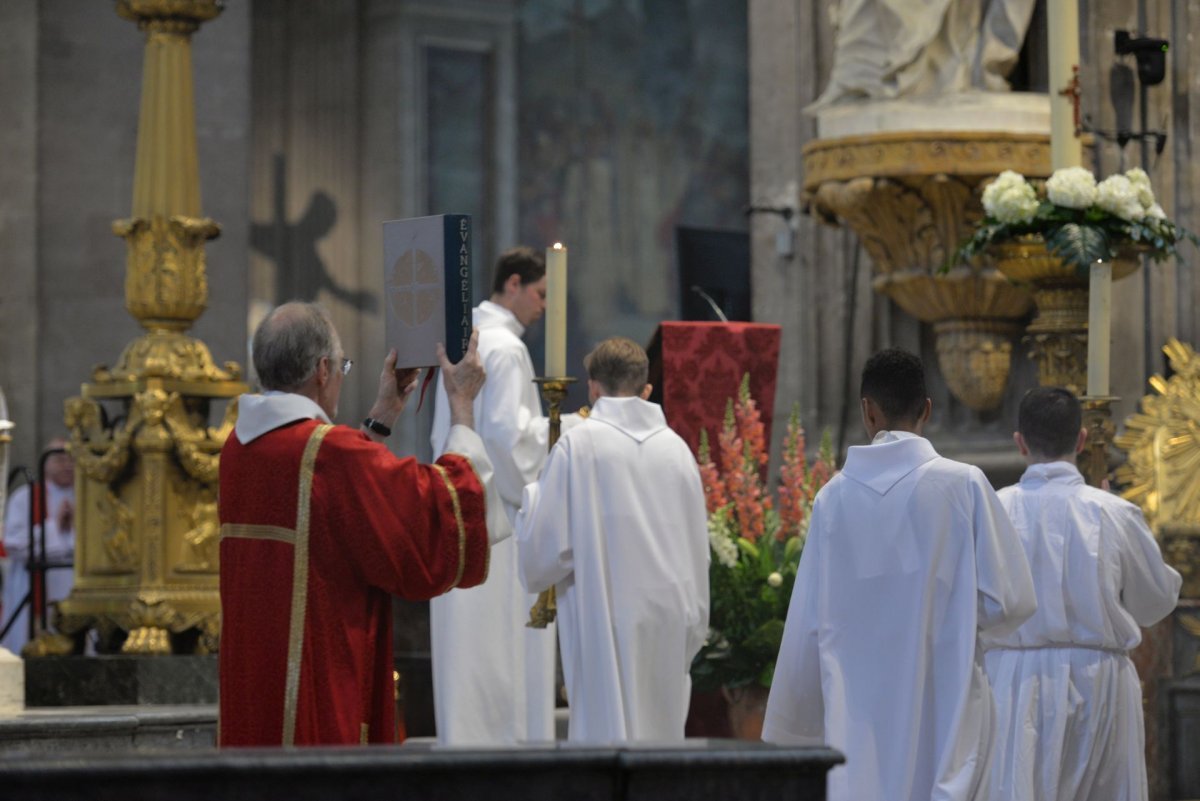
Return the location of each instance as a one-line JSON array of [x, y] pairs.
[[1163, 443]]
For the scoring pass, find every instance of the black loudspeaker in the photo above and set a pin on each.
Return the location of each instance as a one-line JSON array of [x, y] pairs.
[[1151, 55]]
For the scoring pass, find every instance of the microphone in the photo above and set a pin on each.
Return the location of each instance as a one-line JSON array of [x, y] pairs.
[[716, 309]]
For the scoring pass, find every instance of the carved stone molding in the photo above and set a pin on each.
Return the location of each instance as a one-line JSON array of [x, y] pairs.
[[917, 153]]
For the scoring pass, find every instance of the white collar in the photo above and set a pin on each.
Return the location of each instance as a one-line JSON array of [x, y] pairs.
[[891, 436], [883, 464], [258, 414], [632, 416], [489, 314], [1058, 472]]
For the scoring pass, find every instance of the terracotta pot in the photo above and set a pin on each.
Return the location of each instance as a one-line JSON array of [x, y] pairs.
[[747, 706]]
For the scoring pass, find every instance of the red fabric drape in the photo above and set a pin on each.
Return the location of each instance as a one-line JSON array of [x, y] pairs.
[[698, 367]]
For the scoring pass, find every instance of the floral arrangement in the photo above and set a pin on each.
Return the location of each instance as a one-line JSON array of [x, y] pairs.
[[1081, 221], [755, 543]]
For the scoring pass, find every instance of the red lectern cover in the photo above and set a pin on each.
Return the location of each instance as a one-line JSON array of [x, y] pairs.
[[696, 367]]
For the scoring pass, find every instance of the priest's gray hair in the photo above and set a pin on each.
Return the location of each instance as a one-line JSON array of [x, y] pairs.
[[290, 342], [619, 365]]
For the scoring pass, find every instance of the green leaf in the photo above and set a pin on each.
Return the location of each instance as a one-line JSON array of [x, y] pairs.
[[767, 637], [791, 551], [1079, 245], [768, 673]]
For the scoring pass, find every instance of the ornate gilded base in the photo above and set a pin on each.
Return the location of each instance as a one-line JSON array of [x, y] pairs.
[[975, 357], [1057, 337], [554, 392], [146, 558], [1061, 358], [1181, 549], [171, 621], [1094, 459], [974, 313]]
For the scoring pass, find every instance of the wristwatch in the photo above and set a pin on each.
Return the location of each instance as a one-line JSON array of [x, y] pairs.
[[378, 427]]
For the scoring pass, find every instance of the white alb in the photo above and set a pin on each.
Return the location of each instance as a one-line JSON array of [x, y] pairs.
[[909, 557], [618, 524], [1068, 699]]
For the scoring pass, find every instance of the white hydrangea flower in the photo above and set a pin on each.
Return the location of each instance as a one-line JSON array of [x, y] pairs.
[[775, 579], [1156, 212], [722, 544], [1010, 199], [1141, 182], [1073, 187], [1117, 195]]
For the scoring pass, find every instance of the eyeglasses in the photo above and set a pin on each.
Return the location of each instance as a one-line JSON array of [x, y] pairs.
[[346, 365]]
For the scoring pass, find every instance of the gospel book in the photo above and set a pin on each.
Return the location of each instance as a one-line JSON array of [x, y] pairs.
[[427, 287]]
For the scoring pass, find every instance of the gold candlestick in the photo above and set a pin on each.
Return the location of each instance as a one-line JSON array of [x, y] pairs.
[[1098, 420], [554, 392], [147, 533]]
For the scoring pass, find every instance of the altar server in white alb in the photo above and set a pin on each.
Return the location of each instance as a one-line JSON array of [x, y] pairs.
[[1068, 699], [617, 524], [493, 678], [909, 557]]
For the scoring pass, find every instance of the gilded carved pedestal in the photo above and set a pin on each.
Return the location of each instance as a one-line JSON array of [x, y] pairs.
[[913, 197], [1057, 337], [147, 534]]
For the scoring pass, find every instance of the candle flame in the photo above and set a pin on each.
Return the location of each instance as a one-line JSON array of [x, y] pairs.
[[558, 245]]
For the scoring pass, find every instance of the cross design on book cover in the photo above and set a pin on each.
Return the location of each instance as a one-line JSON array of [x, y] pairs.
[[413, 287]]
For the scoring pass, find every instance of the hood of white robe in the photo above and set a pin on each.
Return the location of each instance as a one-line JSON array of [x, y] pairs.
[[493, 315], [881, 465], [1058, 472], [258, 414], [638, 419]]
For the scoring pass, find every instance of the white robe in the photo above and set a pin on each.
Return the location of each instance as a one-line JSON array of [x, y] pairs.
[[60, 547], [493, 678], [909, 556], [617, 524], [1068, 699]]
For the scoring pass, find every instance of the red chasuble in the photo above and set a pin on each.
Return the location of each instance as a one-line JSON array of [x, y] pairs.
[[319, 527]]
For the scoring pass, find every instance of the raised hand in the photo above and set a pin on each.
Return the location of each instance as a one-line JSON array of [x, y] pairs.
[[395, 387], [463, 381]]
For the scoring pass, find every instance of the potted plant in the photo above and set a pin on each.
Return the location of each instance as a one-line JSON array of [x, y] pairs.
[[756, 544], [1047, 234], [1077, 219]]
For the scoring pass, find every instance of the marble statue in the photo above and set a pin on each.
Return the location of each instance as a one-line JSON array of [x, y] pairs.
[[888, 49]]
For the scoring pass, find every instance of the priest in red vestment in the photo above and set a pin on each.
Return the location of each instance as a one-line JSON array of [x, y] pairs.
[[320, 526]]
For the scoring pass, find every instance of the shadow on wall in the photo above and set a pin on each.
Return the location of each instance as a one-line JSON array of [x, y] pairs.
[[300, 273]]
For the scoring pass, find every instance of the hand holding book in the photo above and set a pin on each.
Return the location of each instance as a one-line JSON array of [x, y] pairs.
[[463, 381]]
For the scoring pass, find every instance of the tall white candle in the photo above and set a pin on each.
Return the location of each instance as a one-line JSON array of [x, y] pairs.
[[556, 311], [1062, 35], [1099, 323]]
